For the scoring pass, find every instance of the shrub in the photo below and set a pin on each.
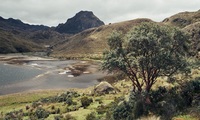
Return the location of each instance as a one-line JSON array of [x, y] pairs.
[[69, 117], [14, 115], [69, 101], [58, 117], [102, 109], [167, 103], [92, 116], [36, 104], [72, 108], [41, 113], [122, 111], [85, 101]]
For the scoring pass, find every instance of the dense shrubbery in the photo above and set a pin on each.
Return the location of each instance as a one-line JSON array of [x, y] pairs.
[[85, 101], [164, 103], [167, 103], [14, 115], [41, 113], [65, 97], [92, 116]]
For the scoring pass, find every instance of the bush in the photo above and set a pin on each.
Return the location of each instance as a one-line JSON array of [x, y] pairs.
[[102, 109], [92, 116], [127, 110], [122, 111], [69, 117], [72, 108], [58, 117], [69, 101], [41, 113], [64, 97], [163, 102], [167, 103], [85, 101], [14, 115]]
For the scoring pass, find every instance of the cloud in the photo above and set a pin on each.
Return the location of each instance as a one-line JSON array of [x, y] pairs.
[[53, 12]]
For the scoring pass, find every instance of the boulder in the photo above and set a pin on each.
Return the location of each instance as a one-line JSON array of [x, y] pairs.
[[104, 88]]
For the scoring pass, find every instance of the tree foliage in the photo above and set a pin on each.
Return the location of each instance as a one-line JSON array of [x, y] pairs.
[[147, 52]]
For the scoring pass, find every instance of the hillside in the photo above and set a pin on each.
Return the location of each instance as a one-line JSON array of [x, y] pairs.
[[194, 31], [190, 23], [183, 19], [92, 42], [10, 43], [17, 36], [81, 21], [44, 37]]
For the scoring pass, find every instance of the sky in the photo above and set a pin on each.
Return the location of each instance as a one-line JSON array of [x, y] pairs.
[[53, 12]]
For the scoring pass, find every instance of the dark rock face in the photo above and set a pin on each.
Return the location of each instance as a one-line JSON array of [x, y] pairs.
[[81, 21]]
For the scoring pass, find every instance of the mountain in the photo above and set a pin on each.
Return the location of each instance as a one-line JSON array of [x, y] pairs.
[[81, 21], [92, 42], [183, 19], [13, 30], [85, 38], [15, 24]]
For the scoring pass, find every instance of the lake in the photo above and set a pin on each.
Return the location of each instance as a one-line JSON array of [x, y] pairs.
[[41, 75]]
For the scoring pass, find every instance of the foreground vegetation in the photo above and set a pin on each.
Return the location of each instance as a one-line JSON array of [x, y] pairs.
[[169, 101]]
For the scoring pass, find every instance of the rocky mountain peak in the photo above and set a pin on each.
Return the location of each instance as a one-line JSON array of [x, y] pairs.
[[81, 21]]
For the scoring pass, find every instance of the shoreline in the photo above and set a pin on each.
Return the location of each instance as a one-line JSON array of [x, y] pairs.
[[83, 74]]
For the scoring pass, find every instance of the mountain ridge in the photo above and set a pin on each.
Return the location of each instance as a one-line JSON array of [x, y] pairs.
[[16, 24], [91, 42]]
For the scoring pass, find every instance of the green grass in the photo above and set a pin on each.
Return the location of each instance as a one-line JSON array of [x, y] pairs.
[[185, 117], [19, 101]]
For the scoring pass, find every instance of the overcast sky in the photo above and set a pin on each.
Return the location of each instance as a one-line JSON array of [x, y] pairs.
[[53, 12]]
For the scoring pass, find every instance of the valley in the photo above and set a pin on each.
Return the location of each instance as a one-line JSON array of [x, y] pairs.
[[54, 72]]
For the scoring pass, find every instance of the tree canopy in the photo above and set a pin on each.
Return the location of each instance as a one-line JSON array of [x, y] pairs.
[[148, 51]]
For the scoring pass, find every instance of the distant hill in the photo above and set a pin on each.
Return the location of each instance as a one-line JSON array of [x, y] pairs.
[[183, 19], [10, 43], [190, 23], [81, 21], [15, 24], [92, 42], [15, 33]]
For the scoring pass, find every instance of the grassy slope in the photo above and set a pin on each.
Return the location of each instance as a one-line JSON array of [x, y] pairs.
[[92, 42], [194, 31], [183, 19], [10, 43]]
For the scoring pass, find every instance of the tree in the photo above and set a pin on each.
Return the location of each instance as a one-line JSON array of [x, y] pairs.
[[147, 52]]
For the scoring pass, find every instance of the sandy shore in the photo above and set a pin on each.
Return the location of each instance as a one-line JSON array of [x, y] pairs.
[[19, 58]]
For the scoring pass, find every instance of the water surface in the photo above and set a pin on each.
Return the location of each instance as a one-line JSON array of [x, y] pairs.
[[41, 75]]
